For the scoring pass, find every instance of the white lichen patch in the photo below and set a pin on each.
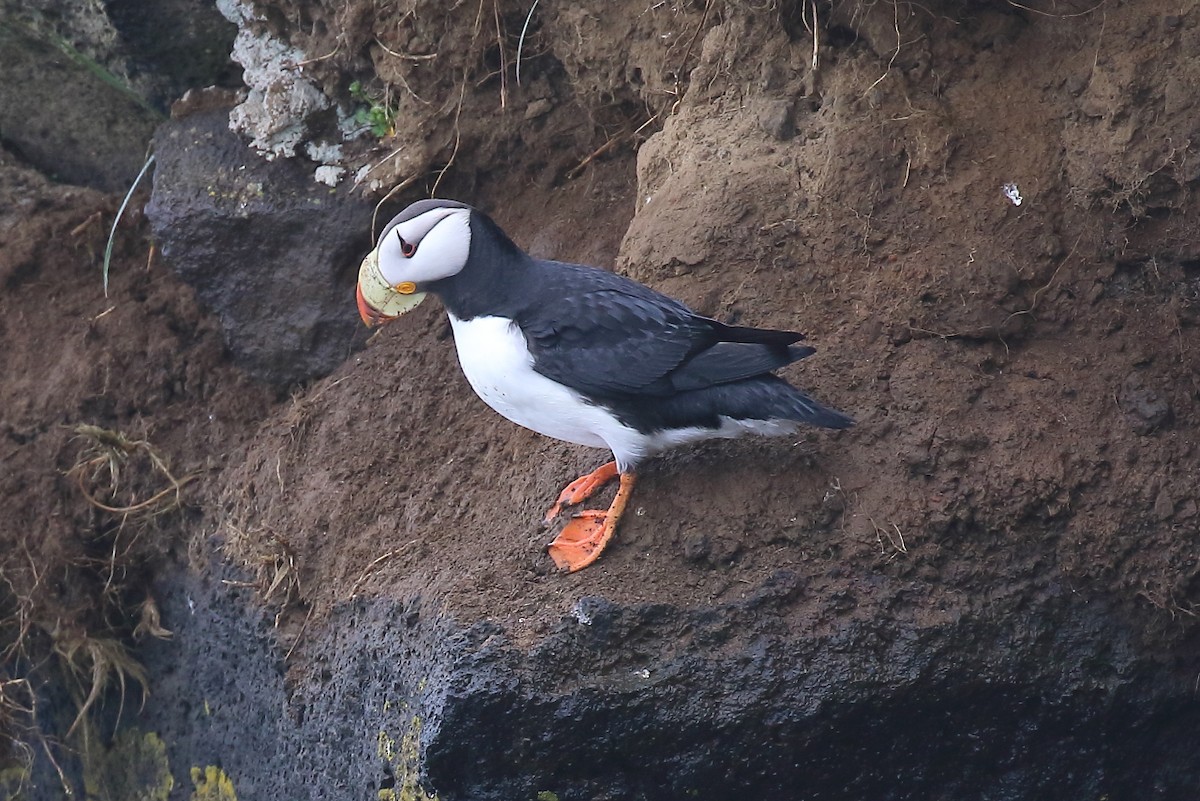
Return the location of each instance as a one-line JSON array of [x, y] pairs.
[[275, 112], [323, 152], [329, 174]]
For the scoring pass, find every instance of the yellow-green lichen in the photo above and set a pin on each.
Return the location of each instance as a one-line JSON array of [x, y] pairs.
[[133, 768], [212, 785], [404, 760]]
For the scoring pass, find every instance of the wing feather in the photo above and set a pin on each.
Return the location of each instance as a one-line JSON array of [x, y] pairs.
[[606, 342], [607, 337], [733, 361]]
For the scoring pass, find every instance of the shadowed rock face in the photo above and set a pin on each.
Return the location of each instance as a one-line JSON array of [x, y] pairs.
[[268, 250], [65, 119], [176, 45], [85, 84], [659, 702]]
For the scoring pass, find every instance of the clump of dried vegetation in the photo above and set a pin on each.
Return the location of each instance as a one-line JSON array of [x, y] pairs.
[[72, 611]]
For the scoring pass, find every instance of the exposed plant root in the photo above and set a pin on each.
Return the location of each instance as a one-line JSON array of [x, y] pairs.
[[608, 145]]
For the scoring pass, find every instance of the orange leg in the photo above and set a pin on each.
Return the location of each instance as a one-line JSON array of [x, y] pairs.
[[582, 488], [586, 535]]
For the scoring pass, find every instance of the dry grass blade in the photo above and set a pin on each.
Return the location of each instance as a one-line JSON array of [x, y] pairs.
[[1091, 10], [370, 568], [521, 42], [17, 715], [150, 622], [101, 463], [94, 662], [271, 558], [13, 710], [17, 624], [112, 235], [595, 154], [610, 144]]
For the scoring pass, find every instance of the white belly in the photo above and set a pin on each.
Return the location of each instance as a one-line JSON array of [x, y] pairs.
[[497, 364]]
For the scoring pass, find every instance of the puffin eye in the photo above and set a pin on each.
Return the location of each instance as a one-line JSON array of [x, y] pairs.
[[407, 249]]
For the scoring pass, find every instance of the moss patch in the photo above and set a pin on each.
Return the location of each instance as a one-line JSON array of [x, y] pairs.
[[133, 768]]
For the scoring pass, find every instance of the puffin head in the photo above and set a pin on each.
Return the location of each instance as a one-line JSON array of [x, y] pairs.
[[428, 241]]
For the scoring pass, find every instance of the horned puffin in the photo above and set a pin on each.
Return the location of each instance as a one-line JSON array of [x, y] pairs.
[[583, 355]]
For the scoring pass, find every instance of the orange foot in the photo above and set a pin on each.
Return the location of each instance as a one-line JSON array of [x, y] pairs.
[[586, 535], [582, 488]]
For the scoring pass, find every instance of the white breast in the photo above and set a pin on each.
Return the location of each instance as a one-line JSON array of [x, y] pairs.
[[499, 367]]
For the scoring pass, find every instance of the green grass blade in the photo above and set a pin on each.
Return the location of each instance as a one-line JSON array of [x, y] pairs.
[[112, 235]]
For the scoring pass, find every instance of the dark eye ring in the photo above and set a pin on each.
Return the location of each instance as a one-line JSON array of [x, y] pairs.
[[407, 249]]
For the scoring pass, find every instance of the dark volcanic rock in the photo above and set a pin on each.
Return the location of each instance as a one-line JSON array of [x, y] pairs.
[[272, 252], [659, 702]]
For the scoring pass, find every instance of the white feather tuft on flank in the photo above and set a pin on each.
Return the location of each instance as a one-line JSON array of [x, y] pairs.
[[729, 429], [498, 366], [442, 238]]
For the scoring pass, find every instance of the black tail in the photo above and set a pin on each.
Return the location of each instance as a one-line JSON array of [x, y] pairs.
[[808, 411], [769, 397], [772, 393], [755, 336], [763, 397]]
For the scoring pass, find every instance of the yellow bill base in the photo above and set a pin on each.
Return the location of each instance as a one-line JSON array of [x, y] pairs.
[[384, 298]]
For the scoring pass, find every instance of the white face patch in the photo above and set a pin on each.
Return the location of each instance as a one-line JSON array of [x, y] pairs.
[[428, 247]]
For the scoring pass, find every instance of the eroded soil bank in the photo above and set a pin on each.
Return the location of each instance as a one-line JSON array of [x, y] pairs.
[[987, 589]]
